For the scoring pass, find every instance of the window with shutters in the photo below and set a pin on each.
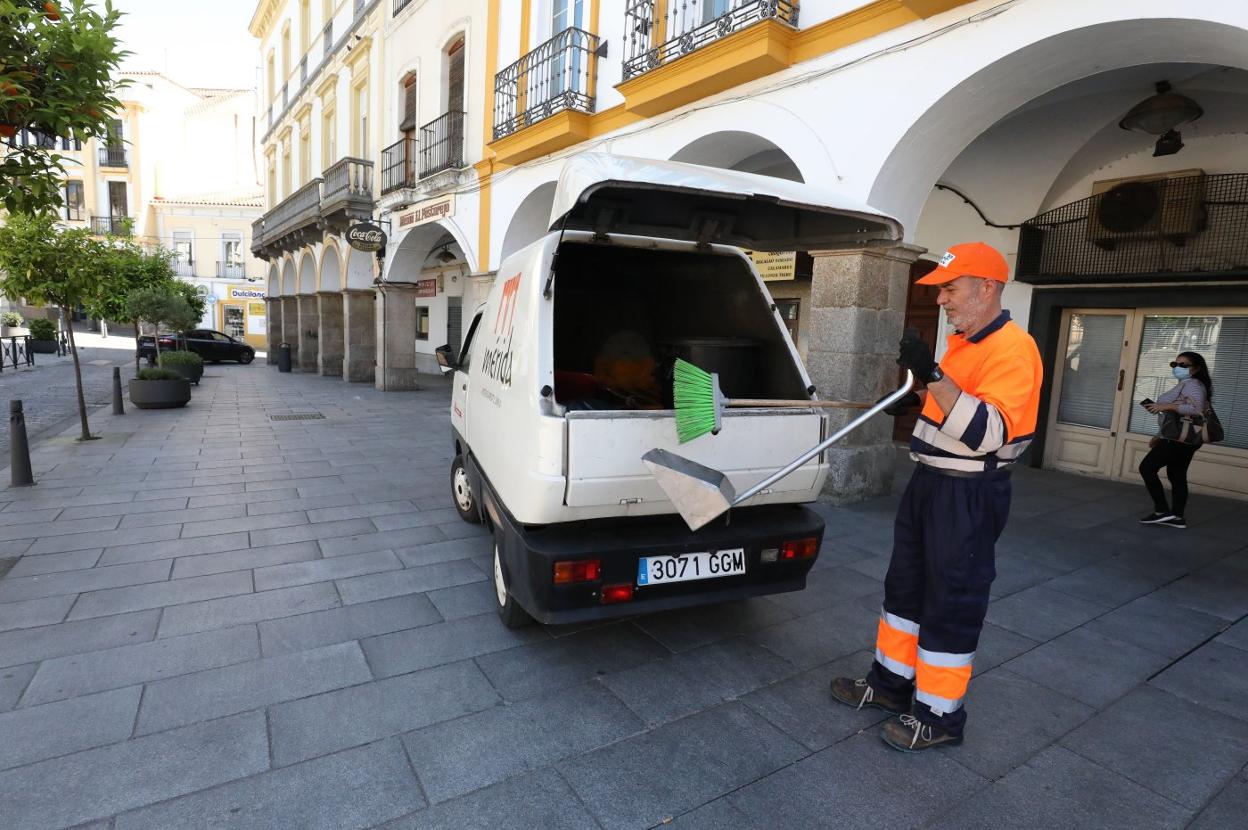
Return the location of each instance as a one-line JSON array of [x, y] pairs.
[[1090, 377], [74, 201], [455, 76], [407, 105]]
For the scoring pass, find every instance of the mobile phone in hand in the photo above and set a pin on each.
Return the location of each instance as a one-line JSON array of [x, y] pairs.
[[1147, 402]]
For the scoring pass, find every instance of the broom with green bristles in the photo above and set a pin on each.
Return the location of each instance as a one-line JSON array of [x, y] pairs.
[[700, 404]]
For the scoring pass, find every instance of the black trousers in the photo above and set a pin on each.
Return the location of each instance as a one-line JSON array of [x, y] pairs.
[[1176, 457]]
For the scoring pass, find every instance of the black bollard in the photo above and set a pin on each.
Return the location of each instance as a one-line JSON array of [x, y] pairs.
[[118, 409], [19, 449]]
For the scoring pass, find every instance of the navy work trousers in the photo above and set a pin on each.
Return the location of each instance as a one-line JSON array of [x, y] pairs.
[[942, 566]]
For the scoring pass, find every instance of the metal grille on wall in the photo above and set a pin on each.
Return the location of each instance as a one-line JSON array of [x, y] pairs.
[[1149, 230], [688, 25]]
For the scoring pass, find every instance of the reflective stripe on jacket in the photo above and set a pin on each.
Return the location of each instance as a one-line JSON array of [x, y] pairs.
[[994, 419]]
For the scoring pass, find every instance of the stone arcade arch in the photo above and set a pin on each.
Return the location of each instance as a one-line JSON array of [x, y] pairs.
[[530, 221], [739, 150]]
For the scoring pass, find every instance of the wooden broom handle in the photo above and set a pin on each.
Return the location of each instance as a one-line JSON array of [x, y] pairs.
[[763, 402]]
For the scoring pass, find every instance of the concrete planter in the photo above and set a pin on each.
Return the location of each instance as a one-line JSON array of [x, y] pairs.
[[13, 331], [160, 394], [43, 346]]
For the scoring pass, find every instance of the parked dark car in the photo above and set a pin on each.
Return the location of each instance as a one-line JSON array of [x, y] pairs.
[[213, 346]]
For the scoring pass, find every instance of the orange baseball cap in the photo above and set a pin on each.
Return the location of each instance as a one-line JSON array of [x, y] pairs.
[[970, 259]]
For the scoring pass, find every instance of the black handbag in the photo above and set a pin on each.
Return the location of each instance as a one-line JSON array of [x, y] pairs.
[[1186, 429], [1213, 426]]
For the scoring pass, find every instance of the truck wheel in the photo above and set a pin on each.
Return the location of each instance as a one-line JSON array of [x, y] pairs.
[[509, 611], [461, 490]]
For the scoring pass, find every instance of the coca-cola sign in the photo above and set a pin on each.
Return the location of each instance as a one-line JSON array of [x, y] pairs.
[[365, 236]]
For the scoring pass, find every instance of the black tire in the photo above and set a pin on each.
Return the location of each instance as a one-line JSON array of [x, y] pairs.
[[461, 493], [246, 358], [509, 611]]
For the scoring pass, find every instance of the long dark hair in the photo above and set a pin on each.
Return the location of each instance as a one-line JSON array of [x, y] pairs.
[[1200, 371]]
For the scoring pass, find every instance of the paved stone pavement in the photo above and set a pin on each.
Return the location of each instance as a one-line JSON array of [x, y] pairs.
[[217, 620]]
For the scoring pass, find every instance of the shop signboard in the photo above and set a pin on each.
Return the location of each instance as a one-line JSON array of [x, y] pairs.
[[430, 210], [426, 288], [366, 236], [774, 265], [240, 292]]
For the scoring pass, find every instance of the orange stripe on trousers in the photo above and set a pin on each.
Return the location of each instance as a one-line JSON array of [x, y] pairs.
[[897, 645], [947, 682]]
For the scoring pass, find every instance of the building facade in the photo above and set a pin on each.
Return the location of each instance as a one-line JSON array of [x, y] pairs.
[[1009, 122]]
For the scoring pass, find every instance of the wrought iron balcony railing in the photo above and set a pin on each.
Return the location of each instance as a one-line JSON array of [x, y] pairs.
[[359, 7], [114, 225], [442, 144], [398, 165], [655, 40], [399, 5], [303, 70], [230, 271], [556, 76], [327, 38], [184, 268], [111, 156]]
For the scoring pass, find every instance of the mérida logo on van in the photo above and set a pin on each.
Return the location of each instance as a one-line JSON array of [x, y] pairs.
[[497, 361]]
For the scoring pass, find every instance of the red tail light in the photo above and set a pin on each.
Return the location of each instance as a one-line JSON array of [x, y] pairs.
[[617, 593], [799, 549], [581, 570]]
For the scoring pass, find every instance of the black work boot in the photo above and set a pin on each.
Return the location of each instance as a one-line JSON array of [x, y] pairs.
[[909, 734], [860, 693]]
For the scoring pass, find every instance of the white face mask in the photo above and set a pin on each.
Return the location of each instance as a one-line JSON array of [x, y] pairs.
[[1182, 372]]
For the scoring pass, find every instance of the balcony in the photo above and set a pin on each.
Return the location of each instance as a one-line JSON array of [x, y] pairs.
[[230, 271], [348, 195], [344, 196], [295, 221], [680, 56], [183, 268], [359, 7], [398, 6], [442, 144], [257, 236], [556, 77], [111, 156], [398, 165], [327, 39], [111, 225]]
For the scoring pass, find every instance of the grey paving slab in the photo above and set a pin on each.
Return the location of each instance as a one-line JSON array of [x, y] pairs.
[[1209, 594], [1057, 788], [1236, 635], [290, 501], [1087, 666], [37, 733], [51, 529], [469, 753], [821, 637], [407, 581], [445, 551], [540, 799], [1158, 625], [252, 685], [997, 645], [433, 645], [678, 766], [663, 690], [65, 677], [55, 563], [272, 520], [1227, 808], [160, 594], [356, 788], [190, 516], [310, 531], [520, 672], [464, 600], [1042, 613], [372, 711], [1104, 584], [360, 511], [324, 570], [46, 642], [173, 548], [127, 775], [106, 538], [242, 497], [1203, 750], [1215, 676], [122, 508], [381, 540], [690, 628], [417, 518], [73, 582], [351, 622], [13, 681], [244, 559], [31, 516], [246, 608], [826, 587], [34, 612]]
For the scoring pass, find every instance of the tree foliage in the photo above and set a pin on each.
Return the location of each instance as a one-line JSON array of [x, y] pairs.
[[161, 305], [57, 66]]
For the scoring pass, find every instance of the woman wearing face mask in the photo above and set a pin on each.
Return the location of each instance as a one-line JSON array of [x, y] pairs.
[[1189, 397]]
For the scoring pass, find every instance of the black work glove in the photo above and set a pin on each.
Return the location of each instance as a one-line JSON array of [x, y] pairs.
[[907, 402], [916, 355]]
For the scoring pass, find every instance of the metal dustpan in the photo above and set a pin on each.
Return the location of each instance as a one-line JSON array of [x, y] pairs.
[[701, 493]]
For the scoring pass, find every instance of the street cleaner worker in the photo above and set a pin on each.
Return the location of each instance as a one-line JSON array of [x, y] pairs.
[[978, 416]]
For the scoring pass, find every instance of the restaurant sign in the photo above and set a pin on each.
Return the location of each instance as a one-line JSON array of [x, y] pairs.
[[430, 210], [774, 265]]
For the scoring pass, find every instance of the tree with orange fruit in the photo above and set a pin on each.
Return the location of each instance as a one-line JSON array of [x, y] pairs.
[[57, 66]]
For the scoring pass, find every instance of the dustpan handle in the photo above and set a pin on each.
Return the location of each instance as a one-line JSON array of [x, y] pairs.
[[880, 406]]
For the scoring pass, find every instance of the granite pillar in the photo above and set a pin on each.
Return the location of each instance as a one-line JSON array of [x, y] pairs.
[[359, 359], [290, 328], [858, 306], [309, 333], [273, 320], [396, 337], [330, 342]]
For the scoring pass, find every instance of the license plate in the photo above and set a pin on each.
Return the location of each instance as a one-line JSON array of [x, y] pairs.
[[660, 570]]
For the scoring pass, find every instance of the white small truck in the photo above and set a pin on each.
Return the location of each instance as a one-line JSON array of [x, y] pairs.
[[559, 391]]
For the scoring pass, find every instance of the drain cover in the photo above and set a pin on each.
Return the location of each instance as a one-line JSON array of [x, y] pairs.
[[298, 416]]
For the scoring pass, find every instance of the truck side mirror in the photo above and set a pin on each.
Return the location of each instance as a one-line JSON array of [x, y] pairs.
[[445, 359]]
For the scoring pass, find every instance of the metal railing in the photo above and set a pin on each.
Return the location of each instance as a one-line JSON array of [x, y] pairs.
[[556, 76], [442, 144], [348, 178], [685, 27], [327, 38], [184, 269], [114, 225], [399, 5], [359, 7], [303, 70], [398, 165], [113, 156], [285, 94], [15, 351], [230, 271]]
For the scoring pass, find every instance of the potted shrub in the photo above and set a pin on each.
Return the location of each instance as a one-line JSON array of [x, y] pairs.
[[187, 364], [42, 336], [159, 389], [11, 324]]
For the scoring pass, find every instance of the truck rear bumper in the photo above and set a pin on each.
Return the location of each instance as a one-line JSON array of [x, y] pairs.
[[529, 556]]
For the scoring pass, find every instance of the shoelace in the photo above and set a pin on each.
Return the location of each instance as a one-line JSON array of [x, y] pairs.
[[867, 695], [911, 722]]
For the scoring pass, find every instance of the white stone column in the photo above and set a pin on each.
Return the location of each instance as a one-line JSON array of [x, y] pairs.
[[396, 337]]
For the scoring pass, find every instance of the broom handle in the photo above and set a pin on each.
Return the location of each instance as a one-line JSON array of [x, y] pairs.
[[827, 442], [763, 402]]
